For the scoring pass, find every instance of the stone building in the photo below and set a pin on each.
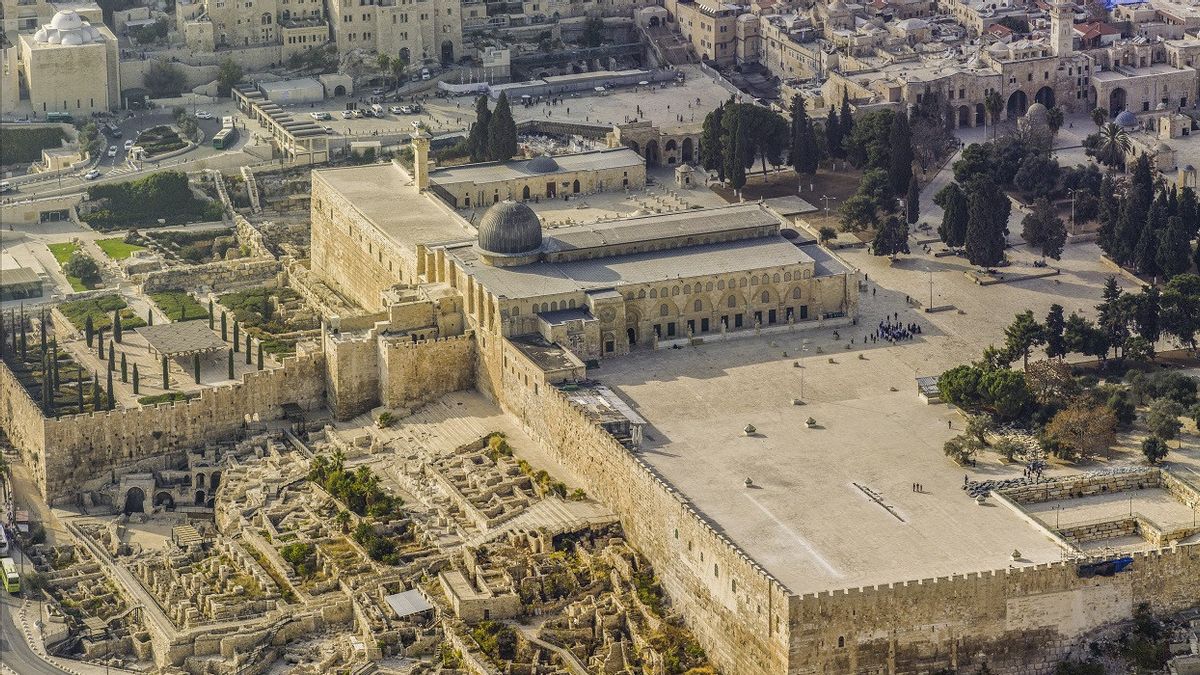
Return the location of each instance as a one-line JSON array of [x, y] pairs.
[[659, 145], [294, 25], [70, 64], [423, 32], [542, 177]]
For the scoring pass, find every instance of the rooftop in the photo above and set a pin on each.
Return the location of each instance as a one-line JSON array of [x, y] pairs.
[[491, 172], [658, 226], [387, 197], [181, 338]]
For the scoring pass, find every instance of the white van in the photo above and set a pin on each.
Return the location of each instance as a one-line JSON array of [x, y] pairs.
[[377, 110], [5, 186]]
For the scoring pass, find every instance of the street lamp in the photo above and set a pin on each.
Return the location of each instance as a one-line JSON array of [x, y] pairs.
[[1072, 193], [803, 351]]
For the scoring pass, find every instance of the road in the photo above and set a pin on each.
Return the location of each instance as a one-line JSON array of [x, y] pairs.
[[15, 652]]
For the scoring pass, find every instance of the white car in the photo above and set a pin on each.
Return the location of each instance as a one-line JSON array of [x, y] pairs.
[[395, 109], [128, 144], [204, 115], [346, 114], [91, 175], [356, 113], [112, 151], [328, 130], [320, 116]]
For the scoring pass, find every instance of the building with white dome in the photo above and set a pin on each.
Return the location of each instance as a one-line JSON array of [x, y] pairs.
[[69, 64]]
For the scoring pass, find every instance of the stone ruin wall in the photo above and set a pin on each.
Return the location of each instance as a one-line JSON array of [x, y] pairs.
[[83, 447], [218, 276], [737, 611], [22, 421], [1022, 620]]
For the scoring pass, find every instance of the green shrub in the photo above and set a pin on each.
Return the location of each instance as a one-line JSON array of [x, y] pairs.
[[100, 309], [142, 202], [22, 145], [179, 305]]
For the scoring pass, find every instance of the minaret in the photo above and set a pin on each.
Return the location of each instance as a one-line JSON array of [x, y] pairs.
[[420, 142], [1062, 27]]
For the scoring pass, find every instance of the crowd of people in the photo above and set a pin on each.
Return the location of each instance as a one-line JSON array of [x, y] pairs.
[[894, 332]]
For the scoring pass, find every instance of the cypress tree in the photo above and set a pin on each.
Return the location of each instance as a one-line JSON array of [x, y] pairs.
[[116, 322], [95, 393], [88, 329], [987, 218], [210, 314], [166, 373], [1053, 332], [149, 316], [953, 230], [231, 364], [1189, 212], [900, 140], [100, 343], [712, 152], [260, 355], [235, 335], [845, 118], [136, 380], [124, 369], [477, 140], [1174, 249], [42, 337], [112, 402], [182, 312], [224, 327], [803, 154], [24, 343], [502, 132], [54, 363], [912, 202], [247, 350], [112, 357], [196, 367], [734, 146], [833, 135]]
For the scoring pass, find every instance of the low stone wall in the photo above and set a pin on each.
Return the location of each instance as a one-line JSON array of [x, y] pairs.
[[84, 446], [1101, 529], [218, 276], [250, 236], [1086, 485]]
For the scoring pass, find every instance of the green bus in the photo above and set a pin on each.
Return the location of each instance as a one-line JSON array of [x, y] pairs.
[[224, 138], [12, 580], [58, 117]]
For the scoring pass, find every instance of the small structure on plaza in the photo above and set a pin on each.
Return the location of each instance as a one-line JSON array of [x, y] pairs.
[[183, 338]]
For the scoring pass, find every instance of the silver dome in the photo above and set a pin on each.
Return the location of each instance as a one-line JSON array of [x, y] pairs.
[[510, 228], [542, 164]]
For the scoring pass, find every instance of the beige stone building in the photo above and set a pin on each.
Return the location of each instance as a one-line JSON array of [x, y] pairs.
[[709, 25], [542, 177], [69, 65], [429, 31]]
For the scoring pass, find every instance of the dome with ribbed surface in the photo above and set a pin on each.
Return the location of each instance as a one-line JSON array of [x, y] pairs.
[[542, 164], [1127, 119], [510, 228]]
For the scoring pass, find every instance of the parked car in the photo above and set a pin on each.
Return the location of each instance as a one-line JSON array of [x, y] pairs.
[[406, 109], [128, 144], [357, 113], [347, 114], [425, 74], [6, 186], [328, 130], [92, 175], [113, 130], [320, 116], [204, 115], [112, 151], [396, 109]]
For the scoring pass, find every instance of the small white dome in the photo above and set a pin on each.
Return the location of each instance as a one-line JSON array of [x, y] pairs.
[[73, 38], [66, 20], [40, 35]]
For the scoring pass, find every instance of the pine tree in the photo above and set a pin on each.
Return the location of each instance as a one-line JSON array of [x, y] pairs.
[[79, 389], [100, 343], [734, 146], [95, 393], [1053, 332], [112, 356], [712, 150], [477, 140], [116, 325], [89, 330], [236, 328], [833, 135], [892, 238], [845, 118], [224, 327], [900, 140], [912, 202], [247, 350], [1108, 213], [502, 132], [1189, 212], [1174, 249], [1146, 251]]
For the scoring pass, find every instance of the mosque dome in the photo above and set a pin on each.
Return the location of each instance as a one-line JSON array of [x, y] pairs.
[[67, 28], [1127, 119], [66, 20], [542, 164], [510, 228]]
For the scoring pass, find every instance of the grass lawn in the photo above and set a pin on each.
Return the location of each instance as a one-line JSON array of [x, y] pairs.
[[100, 309], [179, 305], [117, 249], [62, 253]]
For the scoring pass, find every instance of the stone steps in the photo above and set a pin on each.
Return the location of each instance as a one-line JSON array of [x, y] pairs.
[[252, 188]]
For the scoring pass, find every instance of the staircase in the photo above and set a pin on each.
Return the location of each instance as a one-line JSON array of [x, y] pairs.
[[252, 188], [669, 45], [222, 193]]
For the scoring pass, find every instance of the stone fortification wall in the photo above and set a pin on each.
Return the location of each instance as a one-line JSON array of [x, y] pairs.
[[22, 421], [736, 609], [412, 373], [84, 446], [251, 236], [1085, 485], [1019, 620], [371, 369], [218, 276]]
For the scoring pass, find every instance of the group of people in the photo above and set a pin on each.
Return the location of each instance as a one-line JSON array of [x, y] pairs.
[[894, 332], [1035, 469]]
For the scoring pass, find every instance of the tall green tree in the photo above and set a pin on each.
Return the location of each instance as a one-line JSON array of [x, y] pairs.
[[805, 153], [734, 146], [901, 155], [833, 135], [229, 73], [891, 239], [1174, 254], [994, 105], [1043, 229], [502, 132], [1022, 335], [912, 201], [477, 140], [987, 223], [712, 147], [1052, 331]]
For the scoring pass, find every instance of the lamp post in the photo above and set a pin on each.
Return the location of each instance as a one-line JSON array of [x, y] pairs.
[[803, 351], [1072, 193]]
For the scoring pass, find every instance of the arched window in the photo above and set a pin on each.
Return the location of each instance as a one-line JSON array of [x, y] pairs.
[[664, 311], [653, 292], [698, 306], [721, 285], [796, 293], [732, 302], [675, 291], [775, 277]]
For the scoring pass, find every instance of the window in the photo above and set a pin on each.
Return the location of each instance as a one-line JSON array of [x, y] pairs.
[[698, 306], [732, 302], [664, 311]]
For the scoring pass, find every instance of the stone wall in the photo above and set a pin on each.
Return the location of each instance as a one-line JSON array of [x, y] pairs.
[[1018, 620], [1084, 485], [736, 609], [411, 373], [22, 420], [218, 276], [1100, 529], [82, 447]]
